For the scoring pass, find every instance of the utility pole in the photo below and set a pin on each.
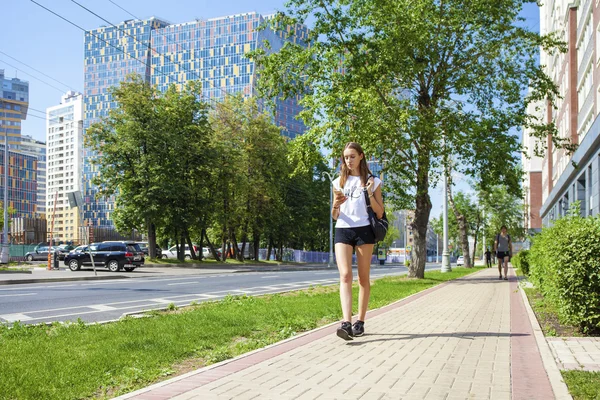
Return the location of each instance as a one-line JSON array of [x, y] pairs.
[[330, 264], [5, 256]]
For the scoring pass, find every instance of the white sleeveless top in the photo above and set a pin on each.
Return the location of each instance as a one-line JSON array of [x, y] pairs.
[[353, 212]]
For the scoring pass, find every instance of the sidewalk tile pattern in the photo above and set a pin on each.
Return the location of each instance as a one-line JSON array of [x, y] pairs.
[[576, 353], [453, 342]]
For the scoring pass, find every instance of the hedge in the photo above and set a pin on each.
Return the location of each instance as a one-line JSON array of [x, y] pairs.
[[565, 266], [521, 261]]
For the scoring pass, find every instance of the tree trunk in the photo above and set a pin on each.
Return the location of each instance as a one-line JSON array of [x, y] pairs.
[[151, 239], [416, 269], [234, 245], [462, 228], [476, 233], [210, 245], [190, 245]]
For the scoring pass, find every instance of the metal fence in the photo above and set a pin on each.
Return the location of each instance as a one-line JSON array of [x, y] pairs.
[[17, 251]]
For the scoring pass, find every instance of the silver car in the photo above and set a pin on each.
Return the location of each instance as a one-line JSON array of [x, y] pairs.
[[39, 254]]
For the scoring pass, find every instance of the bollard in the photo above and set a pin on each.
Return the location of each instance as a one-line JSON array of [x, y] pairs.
[[55, 260]]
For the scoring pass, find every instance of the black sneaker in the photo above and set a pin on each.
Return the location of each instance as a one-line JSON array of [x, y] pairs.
[[505, 278], [358, 329], [500, 277], [345, 331]]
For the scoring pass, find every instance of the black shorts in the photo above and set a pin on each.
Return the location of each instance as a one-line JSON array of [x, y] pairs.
[[502, 254], [355, 236]]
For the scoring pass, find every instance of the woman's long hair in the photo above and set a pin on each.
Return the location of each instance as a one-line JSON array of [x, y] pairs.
[[365, 172]]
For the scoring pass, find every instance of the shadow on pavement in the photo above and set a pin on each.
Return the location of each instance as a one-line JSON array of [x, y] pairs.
[[408, 336]]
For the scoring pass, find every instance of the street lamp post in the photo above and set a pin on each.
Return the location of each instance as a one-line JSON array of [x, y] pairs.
[[445, 255], [330, 264], [437, 248], [4, 257]]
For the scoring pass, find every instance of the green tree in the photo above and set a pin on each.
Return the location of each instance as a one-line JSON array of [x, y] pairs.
[[501, 208], [461, 205], [149, 154], [393, 75]]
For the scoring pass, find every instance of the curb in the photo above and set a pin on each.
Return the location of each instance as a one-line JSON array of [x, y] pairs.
[[559, 387], [15, 271], [44, 280]]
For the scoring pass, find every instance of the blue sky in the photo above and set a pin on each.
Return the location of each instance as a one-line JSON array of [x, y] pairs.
[[43, 41]]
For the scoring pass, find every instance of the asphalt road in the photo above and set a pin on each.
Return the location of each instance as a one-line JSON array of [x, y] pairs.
[[101, 301]]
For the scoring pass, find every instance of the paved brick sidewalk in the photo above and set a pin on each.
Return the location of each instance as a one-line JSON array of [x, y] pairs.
[[450, 342], [581, 353]]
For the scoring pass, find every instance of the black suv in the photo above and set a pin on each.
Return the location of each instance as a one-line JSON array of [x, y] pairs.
[[112, 255]]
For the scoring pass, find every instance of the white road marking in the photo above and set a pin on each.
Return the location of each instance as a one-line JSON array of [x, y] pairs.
[[270, 276], [162, 301], [15, 317], [17, 294], [182, 283], [102, 307]]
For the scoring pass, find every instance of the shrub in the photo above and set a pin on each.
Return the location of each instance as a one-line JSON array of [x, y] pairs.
[[566, 268], [521, 261]]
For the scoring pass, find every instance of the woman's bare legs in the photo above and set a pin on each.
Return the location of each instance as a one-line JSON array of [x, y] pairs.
[[343, 255], [363, 256], [506, 267]]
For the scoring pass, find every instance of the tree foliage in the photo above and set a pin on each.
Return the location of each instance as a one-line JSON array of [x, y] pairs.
[[416, 82], [186, 174]]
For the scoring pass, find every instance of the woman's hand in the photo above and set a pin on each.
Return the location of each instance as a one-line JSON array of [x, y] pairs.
[[338, 198], [370, 183]]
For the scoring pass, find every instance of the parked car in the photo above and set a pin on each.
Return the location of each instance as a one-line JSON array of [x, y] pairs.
[[63, 250], [79, 249], [39, 254], [146, 249], [460, 261], [206, 253], [171, 252], [112, 255]]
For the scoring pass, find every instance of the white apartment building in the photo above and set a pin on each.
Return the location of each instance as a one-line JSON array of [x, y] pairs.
[[569, 178], [64, 138]]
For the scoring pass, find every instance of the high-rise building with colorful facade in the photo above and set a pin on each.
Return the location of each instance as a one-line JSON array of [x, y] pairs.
[[110, 54], [37, 148], [22, 168], [211, 51], [64, 136]]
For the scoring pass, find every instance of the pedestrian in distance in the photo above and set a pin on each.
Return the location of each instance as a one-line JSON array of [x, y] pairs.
[[354, 233], [503, 250], [488, 258]]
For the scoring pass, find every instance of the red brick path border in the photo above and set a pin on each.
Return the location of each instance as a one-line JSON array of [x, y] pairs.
[[528, 375]]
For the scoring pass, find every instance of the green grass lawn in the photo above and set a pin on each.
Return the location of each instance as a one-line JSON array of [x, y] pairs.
[[583, 385], [100, 361]]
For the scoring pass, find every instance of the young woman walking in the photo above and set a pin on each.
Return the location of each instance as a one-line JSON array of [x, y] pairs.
[[353, 232]]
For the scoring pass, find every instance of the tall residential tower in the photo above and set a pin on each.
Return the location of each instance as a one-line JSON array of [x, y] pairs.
[[22, 173], [64, 138]]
